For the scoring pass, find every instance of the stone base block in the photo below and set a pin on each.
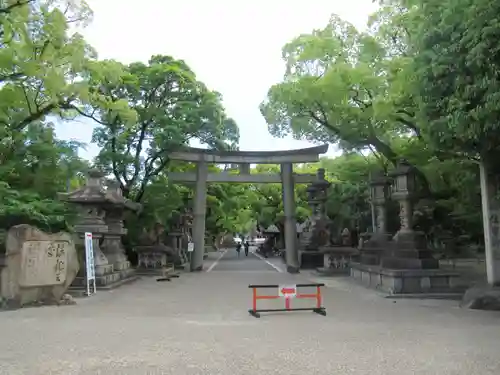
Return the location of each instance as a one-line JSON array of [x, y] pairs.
[[104, 270], [371, 256], [400, 282], [409, 239], [121, 266], [310, 260]]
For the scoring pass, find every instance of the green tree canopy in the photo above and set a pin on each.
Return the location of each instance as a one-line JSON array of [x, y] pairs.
[[173, 108]]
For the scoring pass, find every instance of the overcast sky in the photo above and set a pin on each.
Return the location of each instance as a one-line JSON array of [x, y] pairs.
[[234, 46]]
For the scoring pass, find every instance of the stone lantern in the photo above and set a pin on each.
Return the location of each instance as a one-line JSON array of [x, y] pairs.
[[379, 193], [403, 191], [374, 244], [90, 202], [409, 250], [404, 265], [311, 199], [115, 208], [180, 233], [321, 186], [187, 215], [316, 235]]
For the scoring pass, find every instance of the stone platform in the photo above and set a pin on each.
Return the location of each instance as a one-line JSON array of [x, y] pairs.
[[411, 282]]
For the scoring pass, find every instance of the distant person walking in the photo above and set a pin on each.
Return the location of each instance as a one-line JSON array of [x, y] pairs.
[[247, 246]]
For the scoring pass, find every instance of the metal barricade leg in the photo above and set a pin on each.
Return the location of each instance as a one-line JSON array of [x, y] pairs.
[[253, 311]]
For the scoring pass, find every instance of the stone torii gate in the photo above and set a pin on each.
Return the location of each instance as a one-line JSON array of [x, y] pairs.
[[287, 177]]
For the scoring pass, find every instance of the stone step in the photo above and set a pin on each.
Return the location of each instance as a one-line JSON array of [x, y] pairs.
[[79, 291], [106, 279], [121, 266]]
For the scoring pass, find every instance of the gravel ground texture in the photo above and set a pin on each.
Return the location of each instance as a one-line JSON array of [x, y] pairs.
[[199, 324]]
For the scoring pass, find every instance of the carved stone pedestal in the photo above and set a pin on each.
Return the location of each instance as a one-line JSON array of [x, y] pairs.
[[153, 260], [339, 260]]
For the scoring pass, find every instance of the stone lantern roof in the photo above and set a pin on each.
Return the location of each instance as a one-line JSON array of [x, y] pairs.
[[403, 168], [272, 229], [321, 183], [379, 178], [115, 196], [95, 193]]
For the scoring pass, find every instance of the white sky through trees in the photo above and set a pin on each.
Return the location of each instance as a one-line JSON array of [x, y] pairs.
[[233, 46]]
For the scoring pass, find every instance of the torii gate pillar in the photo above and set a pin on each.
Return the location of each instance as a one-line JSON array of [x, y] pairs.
[[288, 185], [200, 210]]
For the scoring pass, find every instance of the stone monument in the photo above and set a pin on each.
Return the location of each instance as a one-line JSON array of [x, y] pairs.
[[39, 267]]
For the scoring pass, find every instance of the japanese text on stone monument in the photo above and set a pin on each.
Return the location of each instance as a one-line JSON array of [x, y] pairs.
[[43, 263]]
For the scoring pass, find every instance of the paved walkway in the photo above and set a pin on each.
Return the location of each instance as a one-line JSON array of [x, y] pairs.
[[199, 324]]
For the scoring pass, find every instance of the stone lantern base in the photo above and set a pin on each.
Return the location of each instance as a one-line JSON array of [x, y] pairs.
[[404, 266], [374, 246], [106, 276], [409, 250]]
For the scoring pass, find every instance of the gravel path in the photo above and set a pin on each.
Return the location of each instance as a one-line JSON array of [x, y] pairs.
[[199, 324]]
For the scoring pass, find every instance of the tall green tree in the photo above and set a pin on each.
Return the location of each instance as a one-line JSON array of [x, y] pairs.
[[457, 68], [337, 88], [45, 70], [173, 108]]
